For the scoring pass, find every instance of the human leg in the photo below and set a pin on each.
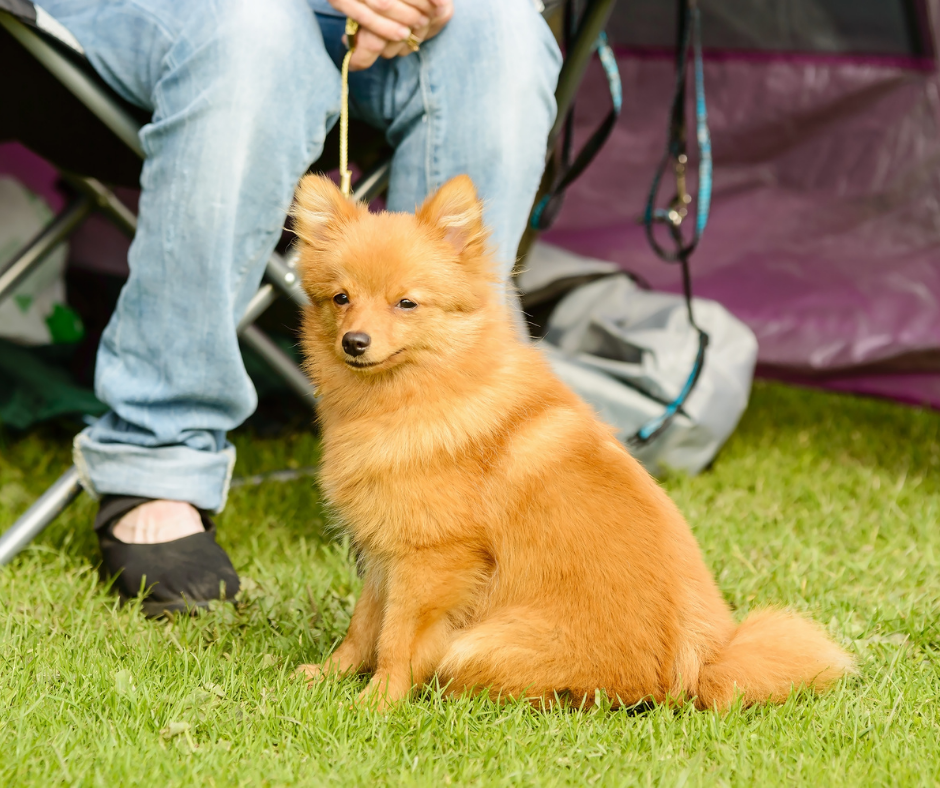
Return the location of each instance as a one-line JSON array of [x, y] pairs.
[[477, 99], [242, 93]]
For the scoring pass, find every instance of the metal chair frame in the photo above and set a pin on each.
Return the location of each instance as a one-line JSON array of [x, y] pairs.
[[280, 274]]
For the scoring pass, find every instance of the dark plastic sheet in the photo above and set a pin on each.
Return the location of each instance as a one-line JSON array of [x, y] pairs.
[[882, 27]]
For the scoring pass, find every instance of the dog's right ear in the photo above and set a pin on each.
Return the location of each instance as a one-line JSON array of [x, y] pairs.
[[320, 210], [456, 212]]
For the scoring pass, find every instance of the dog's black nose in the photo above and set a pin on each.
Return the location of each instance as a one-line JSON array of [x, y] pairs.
[[355, 343]]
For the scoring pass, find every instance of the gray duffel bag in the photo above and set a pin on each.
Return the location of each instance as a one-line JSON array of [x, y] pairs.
[[633, 354]]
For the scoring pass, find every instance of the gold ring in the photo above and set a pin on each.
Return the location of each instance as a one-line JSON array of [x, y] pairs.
[[413, 43]]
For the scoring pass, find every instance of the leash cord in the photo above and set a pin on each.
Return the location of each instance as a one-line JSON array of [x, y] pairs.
[[690, 33], [345, 176], [676, 150]]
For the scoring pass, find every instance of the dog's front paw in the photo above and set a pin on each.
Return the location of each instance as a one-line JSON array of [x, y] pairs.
[[313, 673], [381, 693], [374, 699]]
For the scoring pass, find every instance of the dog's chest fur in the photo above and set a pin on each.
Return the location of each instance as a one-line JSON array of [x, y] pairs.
[[395, 489]]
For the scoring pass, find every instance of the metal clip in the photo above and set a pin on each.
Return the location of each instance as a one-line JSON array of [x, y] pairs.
[[679, 205]]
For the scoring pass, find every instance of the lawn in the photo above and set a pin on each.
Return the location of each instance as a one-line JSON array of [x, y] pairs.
[[825, 503]]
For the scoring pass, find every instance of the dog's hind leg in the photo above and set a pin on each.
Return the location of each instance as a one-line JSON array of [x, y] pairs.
[[518, 654]]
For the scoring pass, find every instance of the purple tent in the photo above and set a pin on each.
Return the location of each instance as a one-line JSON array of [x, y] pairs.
[[824, 235]]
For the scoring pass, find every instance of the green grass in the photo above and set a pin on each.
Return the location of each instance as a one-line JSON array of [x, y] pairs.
[[825, 503]]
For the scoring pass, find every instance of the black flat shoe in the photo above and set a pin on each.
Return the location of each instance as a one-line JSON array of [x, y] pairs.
[[180, 576]]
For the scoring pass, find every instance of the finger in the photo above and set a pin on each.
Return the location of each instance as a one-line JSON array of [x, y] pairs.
[[444, 12], [360, 61], [368, 41], [436, 27], [394, 49], [404, 11], [426, 7], [368, 48], [405, 49], [380, 25]]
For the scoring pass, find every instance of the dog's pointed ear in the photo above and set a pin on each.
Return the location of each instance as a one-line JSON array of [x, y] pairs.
[[320, 209], [456, 211]]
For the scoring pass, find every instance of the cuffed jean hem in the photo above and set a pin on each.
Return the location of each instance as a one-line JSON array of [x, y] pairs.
[[175, 473]]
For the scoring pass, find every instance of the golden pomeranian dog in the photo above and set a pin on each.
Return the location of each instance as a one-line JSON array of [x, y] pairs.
[[510, 544]]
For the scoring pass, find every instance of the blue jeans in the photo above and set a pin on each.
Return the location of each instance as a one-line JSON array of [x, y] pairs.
[[243, 93]]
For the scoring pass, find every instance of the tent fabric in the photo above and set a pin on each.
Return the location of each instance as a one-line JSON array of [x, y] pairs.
[[824, 235], [873, 27]]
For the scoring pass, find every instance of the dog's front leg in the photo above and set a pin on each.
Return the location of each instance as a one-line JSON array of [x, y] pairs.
[[357, 651], [422, 593]]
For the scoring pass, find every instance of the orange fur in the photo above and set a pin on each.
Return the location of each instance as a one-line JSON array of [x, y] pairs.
[[510, 543]]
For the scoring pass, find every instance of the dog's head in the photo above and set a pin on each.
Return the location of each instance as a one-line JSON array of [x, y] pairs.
[[391, 289]]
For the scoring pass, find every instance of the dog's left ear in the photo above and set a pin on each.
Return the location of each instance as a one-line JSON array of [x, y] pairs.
[[320, 210], [457, 212]]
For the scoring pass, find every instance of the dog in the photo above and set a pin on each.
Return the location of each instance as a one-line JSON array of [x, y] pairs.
[[510, 544]]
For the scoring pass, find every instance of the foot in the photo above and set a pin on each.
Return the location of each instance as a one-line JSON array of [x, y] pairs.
[[166, 549], [158, 521], [333, 666], [312, 673], [382, 692]]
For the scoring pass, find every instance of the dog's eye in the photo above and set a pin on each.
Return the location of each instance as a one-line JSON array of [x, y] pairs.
[[406, 303], [341, 299]]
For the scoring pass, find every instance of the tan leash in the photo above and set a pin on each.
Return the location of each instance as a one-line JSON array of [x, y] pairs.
[[345, 176]]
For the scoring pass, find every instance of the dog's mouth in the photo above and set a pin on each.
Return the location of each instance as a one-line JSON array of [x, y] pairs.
[[355, 364]]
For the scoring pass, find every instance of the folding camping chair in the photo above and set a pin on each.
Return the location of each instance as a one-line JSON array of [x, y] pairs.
[[54, 88]]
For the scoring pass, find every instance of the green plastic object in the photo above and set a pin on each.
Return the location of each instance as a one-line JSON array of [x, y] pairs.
[[65, 325], [35, 385]]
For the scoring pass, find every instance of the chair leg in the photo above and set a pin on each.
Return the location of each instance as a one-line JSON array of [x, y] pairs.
[[105, 200], [52, 502], [258, 341], [576, 62], [48, 239], [259, 302], [280, 362]]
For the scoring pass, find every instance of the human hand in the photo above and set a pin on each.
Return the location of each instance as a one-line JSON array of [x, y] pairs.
[[443, 11], [385, 25]]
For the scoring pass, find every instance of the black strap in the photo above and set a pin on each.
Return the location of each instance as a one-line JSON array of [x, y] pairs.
[[548, 207]]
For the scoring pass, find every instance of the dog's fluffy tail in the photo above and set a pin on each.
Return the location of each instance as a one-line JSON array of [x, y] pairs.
[[770, 654]]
